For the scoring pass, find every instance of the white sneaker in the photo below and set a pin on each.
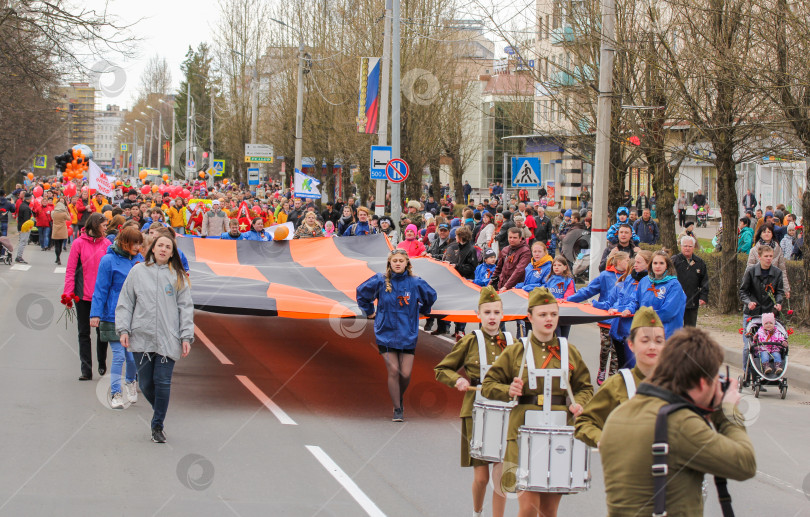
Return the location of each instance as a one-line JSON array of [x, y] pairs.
[[117, 401], [132, 391]]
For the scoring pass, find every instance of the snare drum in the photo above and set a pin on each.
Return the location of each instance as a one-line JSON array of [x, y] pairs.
[[550, 459], [490, 424]]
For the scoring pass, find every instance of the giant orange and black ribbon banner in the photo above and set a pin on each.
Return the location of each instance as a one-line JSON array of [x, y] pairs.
[[318, 278]]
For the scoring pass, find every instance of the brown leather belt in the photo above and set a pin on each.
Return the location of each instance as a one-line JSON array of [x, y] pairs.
[[556, 400]]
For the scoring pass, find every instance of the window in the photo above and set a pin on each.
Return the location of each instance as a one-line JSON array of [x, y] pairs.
[[556, 19]]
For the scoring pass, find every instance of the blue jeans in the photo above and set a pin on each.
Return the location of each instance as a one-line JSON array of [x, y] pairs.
[[4, 229], [746, 344], [155, 380], [120, 354], [44, 236], [179, 230], [765, 357]]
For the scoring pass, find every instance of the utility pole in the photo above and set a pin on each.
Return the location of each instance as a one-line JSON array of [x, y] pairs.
[[382, 132], [151, 137], [602, 156], [299, 109], [396, 100], [188, 125], [174, 131], [211, 152]]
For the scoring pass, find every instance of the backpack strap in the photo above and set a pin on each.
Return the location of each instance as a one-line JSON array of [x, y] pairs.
[[629, 382]]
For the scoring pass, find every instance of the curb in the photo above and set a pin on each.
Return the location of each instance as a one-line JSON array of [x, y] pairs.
[[798, 375]]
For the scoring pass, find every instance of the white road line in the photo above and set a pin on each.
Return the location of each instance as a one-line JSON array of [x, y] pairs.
[[440, 336], [268, 403], [20, 267], [347, 482], [211, 346], [60, 270]]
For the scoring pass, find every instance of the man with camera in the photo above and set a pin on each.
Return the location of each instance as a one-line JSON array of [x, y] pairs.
[[683, 423]]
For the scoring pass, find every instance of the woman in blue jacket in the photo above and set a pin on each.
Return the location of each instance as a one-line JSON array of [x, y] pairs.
[[538, 269], [604, 285], [662, 291], [400, 297], [112, 271], [256, 232]]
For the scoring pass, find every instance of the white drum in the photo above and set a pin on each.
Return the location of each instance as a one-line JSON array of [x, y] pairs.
[[550, 459], [490, 420]]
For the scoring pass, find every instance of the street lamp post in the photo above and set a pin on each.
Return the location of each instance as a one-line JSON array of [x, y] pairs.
[[160, 133], [174, 130], [299, 100], [151, 137], [135, 132]]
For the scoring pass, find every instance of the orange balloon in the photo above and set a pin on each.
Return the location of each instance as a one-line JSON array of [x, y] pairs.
[[165, 177], [155, 188], [225, 181], [281, 233], [142, 175], [30, 175], [202, 174], [118, 183], [46, 186]]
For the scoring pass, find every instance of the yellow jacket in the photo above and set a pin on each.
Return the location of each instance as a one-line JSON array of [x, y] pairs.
[[177, 217], [74, 215]]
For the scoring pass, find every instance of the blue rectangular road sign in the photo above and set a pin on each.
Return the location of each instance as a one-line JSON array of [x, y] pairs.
[[526, 172], [253, 176], [380, 155], [219, 166]]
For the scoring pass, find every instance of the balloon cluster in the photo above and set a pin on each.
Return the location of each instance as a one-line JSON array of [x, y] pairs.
[[73, 163]]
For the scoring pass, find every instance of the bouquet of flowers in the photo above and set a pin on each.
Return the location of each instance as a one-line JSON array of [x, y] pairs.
[[68, 300]]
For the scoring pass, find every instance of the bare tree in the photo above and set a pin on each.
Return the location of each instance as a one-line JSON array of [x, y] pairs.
[[156, 77]]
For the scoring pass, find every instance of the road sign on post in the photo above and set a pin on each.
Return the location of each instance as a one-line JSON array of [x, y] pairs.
[[397, 170], [380, 156], [260, 153], [253, 176], [190, 164], [41, 162], [219, 167], [526, 172]]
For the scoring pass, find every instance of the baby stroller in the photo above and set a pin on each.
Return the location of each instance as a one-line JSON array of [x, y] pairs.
[[754, 375], [6, 249], [702, 217]]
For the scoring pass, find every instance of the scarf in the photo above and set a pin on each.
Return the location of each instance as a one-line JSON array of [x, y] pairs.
[[637, 276], [770, 243], [539, 263], [666, 278]]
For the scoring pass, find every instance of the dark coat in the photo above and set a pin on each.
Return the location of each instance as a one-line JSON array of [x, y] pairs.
[[756, 285], [511, 266], [627, 249], [543, 231], [694, 279]]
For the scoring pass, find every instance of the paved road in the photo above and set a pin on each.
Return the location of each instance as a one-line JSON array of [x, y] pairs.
[[276, 417]]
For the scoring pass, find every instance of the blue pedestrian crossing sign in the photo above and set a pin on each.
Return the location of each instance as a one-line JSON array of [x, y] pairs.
[[526, 171], [219, 167]]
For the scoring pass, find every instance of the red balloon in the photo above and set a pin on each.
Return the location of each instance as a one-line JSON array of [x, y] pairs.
[[162, 188], [70, 189], [146, 189], [185, 193], [37, 191]]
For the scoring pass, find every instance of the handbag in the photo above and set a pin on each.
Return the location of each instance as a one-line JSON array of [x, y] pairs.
[[106, 331]]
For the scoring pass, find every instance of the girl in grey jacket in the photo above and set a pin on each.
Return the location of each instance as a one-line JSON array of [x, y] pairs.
[[155, 320]]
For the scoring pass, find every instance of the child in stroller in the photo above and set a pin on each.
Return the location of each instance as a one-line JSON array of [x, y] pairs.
[[770, 342], [702, 216], [767, 343], [6, 249]]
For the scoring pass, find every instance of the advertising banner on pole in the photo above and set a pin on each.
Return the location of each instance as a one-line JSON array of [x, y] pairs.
[[306, 186], [369, 98]]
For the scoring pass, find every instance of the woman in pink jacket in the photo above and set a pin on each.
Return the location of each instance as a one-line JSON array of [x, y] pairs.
[[80, 278]]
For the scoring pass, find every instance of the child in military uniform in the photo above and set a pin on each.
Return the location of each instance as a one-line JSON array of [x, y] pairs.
[[646, 341], [502, 383], [465, 354]]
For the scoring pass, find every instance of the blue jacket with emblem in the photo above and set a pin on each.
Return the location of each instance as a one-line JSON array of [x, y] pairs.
[[253, 235], [483, 273], [602, 285], [534, 277], [667, 298], [396, 324], [112, 271]]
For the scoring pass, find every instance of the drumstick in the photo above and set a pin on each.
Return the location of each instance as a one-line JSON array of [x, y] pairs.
[[570, 392], [474, 388], [522, 364]]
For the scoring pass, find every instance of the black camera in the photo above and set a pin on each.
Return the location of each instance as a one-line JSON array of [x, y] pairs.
[[725, 380]]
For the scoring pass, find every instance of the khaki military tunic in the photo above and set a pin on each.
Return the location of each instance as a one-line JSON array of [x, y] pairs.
[[613, 392], [695, 449], [506, 368], [465, 355]]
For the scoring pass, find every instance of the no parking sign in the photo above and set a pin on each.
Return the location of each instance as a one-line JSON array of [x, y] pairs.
[[397, 170]]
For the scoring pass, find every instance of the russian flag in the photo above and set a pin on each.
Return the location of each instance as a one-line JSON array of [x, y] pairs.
[[373, 97]]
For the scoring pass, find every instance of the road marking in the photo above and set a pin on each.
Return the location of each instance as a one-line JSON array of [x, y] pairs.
[[778, 481], [347, 482], [20, 267], [211, 346], [440, 336], [60, 270], [264, 399]]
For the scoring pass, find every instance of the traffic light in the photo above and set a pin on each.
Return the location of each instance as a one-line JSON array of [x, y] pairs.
[[205, 154]]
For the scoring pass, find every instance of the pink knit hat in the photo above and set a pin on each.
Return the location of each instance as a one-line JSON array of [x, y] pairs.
[[411, 227], [768, 317]]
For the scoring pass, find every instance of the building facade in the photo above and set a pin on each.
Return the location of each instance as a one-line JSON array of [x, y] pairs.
[[107, 125], [79, 105]]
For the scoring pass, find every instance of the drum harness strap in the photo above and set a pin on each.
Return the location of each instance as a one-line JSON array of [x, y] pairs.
[[629, 382], [482, 355], [660, 467], [546, 399]]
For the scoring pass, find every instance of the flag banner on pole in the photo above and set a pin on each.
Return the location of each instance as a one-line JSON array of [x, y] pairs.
[[306, 186], [99, 181], [369, 98]]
